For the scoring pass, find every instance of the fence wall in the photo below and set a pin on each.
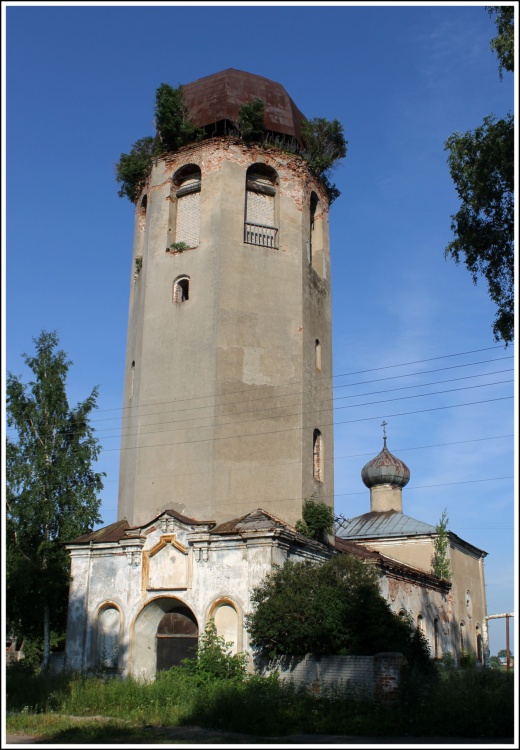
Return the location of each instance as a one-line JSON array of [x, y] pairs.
[[377, 677]]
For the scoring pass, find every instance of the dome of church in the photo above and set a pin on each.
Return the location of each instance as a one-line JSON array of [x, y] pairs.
[[218, 98], [385, 468]]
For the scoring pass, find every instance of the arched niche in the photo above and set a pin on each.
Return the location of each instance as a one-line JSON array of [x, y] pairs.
[[108, 638], [227, 619]]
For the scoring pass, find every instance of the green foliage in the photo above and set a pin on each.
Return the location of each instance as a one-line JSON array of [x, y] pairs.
[[333, 607], [214, 660], [132, 169], [318, 519], [504, 43], [138, 264], [51, 492], [179, 247], [440, 560], [251, 120], [325, 144], [467, 703], [468, 660], [481, 166], [172, 119]]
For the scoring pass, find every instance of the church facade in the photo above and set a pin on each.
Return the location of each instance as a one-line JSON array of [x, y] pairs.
[[227, 422]]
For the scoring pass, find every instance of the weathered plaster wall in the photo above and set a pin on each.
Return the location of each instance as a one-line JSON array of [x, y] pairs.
[[211, 572]]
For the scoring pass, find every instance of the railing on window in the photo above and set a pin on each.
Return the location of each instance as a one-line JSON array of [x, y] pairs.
[[260, 234]]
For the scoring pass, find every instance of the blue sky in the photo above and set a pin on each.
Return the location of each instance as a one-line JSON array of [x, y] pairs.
[[79, 88]]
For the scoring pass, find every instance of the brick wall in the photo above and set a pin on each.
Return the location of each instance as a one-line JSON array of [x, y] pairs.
[[375, 676]]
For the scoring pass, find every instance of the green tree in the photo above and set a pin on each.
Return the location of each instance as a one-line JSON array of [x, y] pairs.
[[132, 169], [172, 118], [318, 520], [440, 560], [504, 43], [51, 491], [481, 166], [334, 607], [325, 145], [251, 120]]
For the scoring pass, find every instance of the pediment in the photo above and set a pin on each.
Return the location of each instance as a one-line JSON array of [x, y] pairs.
[[165, 565]]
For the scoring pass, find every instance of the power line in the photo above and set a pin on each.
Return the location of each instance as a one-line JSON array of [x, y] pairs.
[[303, 413], [315, 380], [329, 424], [310, 460]]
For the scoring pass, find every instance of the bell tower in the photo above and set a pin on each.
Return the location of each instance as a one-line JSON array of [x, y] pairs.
[[228, 386]]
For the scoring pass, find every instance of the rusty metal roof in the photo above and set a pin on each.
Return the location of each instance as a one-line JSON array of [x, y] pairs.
[[388, 523], [257, 520], [112, 533], [186, 519], [219, 96]]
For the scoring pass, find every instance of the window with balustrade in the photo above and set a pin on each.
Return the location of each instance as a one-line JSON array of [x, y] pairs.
[[260, 227]]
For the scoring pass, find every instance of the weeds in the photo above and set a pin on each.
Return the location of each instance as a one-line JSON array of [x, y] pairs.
[[459, 703]]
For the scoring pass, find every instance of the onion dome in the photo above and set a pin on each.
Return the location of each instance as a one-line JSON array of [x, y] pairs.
[[385, 468]]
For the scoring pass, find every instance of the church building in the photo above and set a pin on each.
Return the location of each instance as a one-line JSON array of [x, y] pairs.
[[227, 411]]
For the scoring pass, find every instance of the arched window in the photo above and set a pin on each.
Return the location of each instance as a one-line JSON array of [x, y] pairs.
[[260, 226], [108, 638], [184, 223], [181, 289], [317, 350], [316, 235], [317, 454], [435, 638], [420, 623], [479, 643], [462, 636]]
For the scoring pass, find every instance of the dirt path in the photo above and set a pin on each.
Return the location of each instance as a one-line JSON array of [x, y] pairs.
[[200, 736]]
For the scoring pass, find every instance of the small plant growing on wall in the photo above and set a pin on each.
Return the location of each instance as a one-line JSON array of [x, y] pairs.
[[138, 265], [318, 519], [440, 561], [178, 247]]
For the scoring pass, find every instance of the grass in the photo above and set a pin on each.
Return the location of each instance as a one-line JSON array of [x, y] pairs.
[[467, 703]]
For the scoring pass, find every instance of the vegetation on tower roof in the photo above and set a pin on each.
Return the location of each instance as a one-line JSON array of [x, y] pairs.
[[324, 141]]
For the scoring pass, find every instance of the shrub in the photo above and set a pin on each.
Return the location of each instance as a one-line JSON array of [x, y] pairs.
[[132, 169], [318, 519], [251, 120], [214, 660], [172, 119]]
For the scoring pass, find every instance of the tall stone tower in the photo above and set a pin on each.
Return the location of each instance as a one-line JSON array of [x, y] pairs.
[[228, 387]]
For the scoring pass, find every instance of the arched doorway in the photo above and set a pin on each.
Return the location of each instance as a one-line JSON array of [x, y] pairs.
[[146, 635], [177, 637]]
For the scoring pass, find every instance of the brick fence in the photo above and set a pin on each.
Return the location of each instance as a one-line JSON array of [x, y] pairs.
[[376, 677]]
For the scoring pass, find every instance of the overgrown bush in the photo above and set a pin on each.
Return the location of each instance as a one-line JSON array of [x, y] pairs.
[[333, 607], [317, 521], [132, 169], [172, 119], [251, 120], [214, 660], [467, 703]]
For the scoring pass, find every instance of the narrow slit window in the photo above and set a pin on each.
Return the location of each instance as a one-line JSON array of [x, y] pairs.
[[317, 348], [317, 456]]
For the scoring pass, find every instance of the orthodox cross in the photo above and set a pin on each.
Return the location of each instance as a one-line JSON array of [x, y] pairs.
[[383, 425]]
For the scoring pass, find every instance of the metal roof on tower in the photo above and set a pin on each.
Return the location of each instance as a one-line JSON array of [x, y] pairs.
[[219, 96]]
